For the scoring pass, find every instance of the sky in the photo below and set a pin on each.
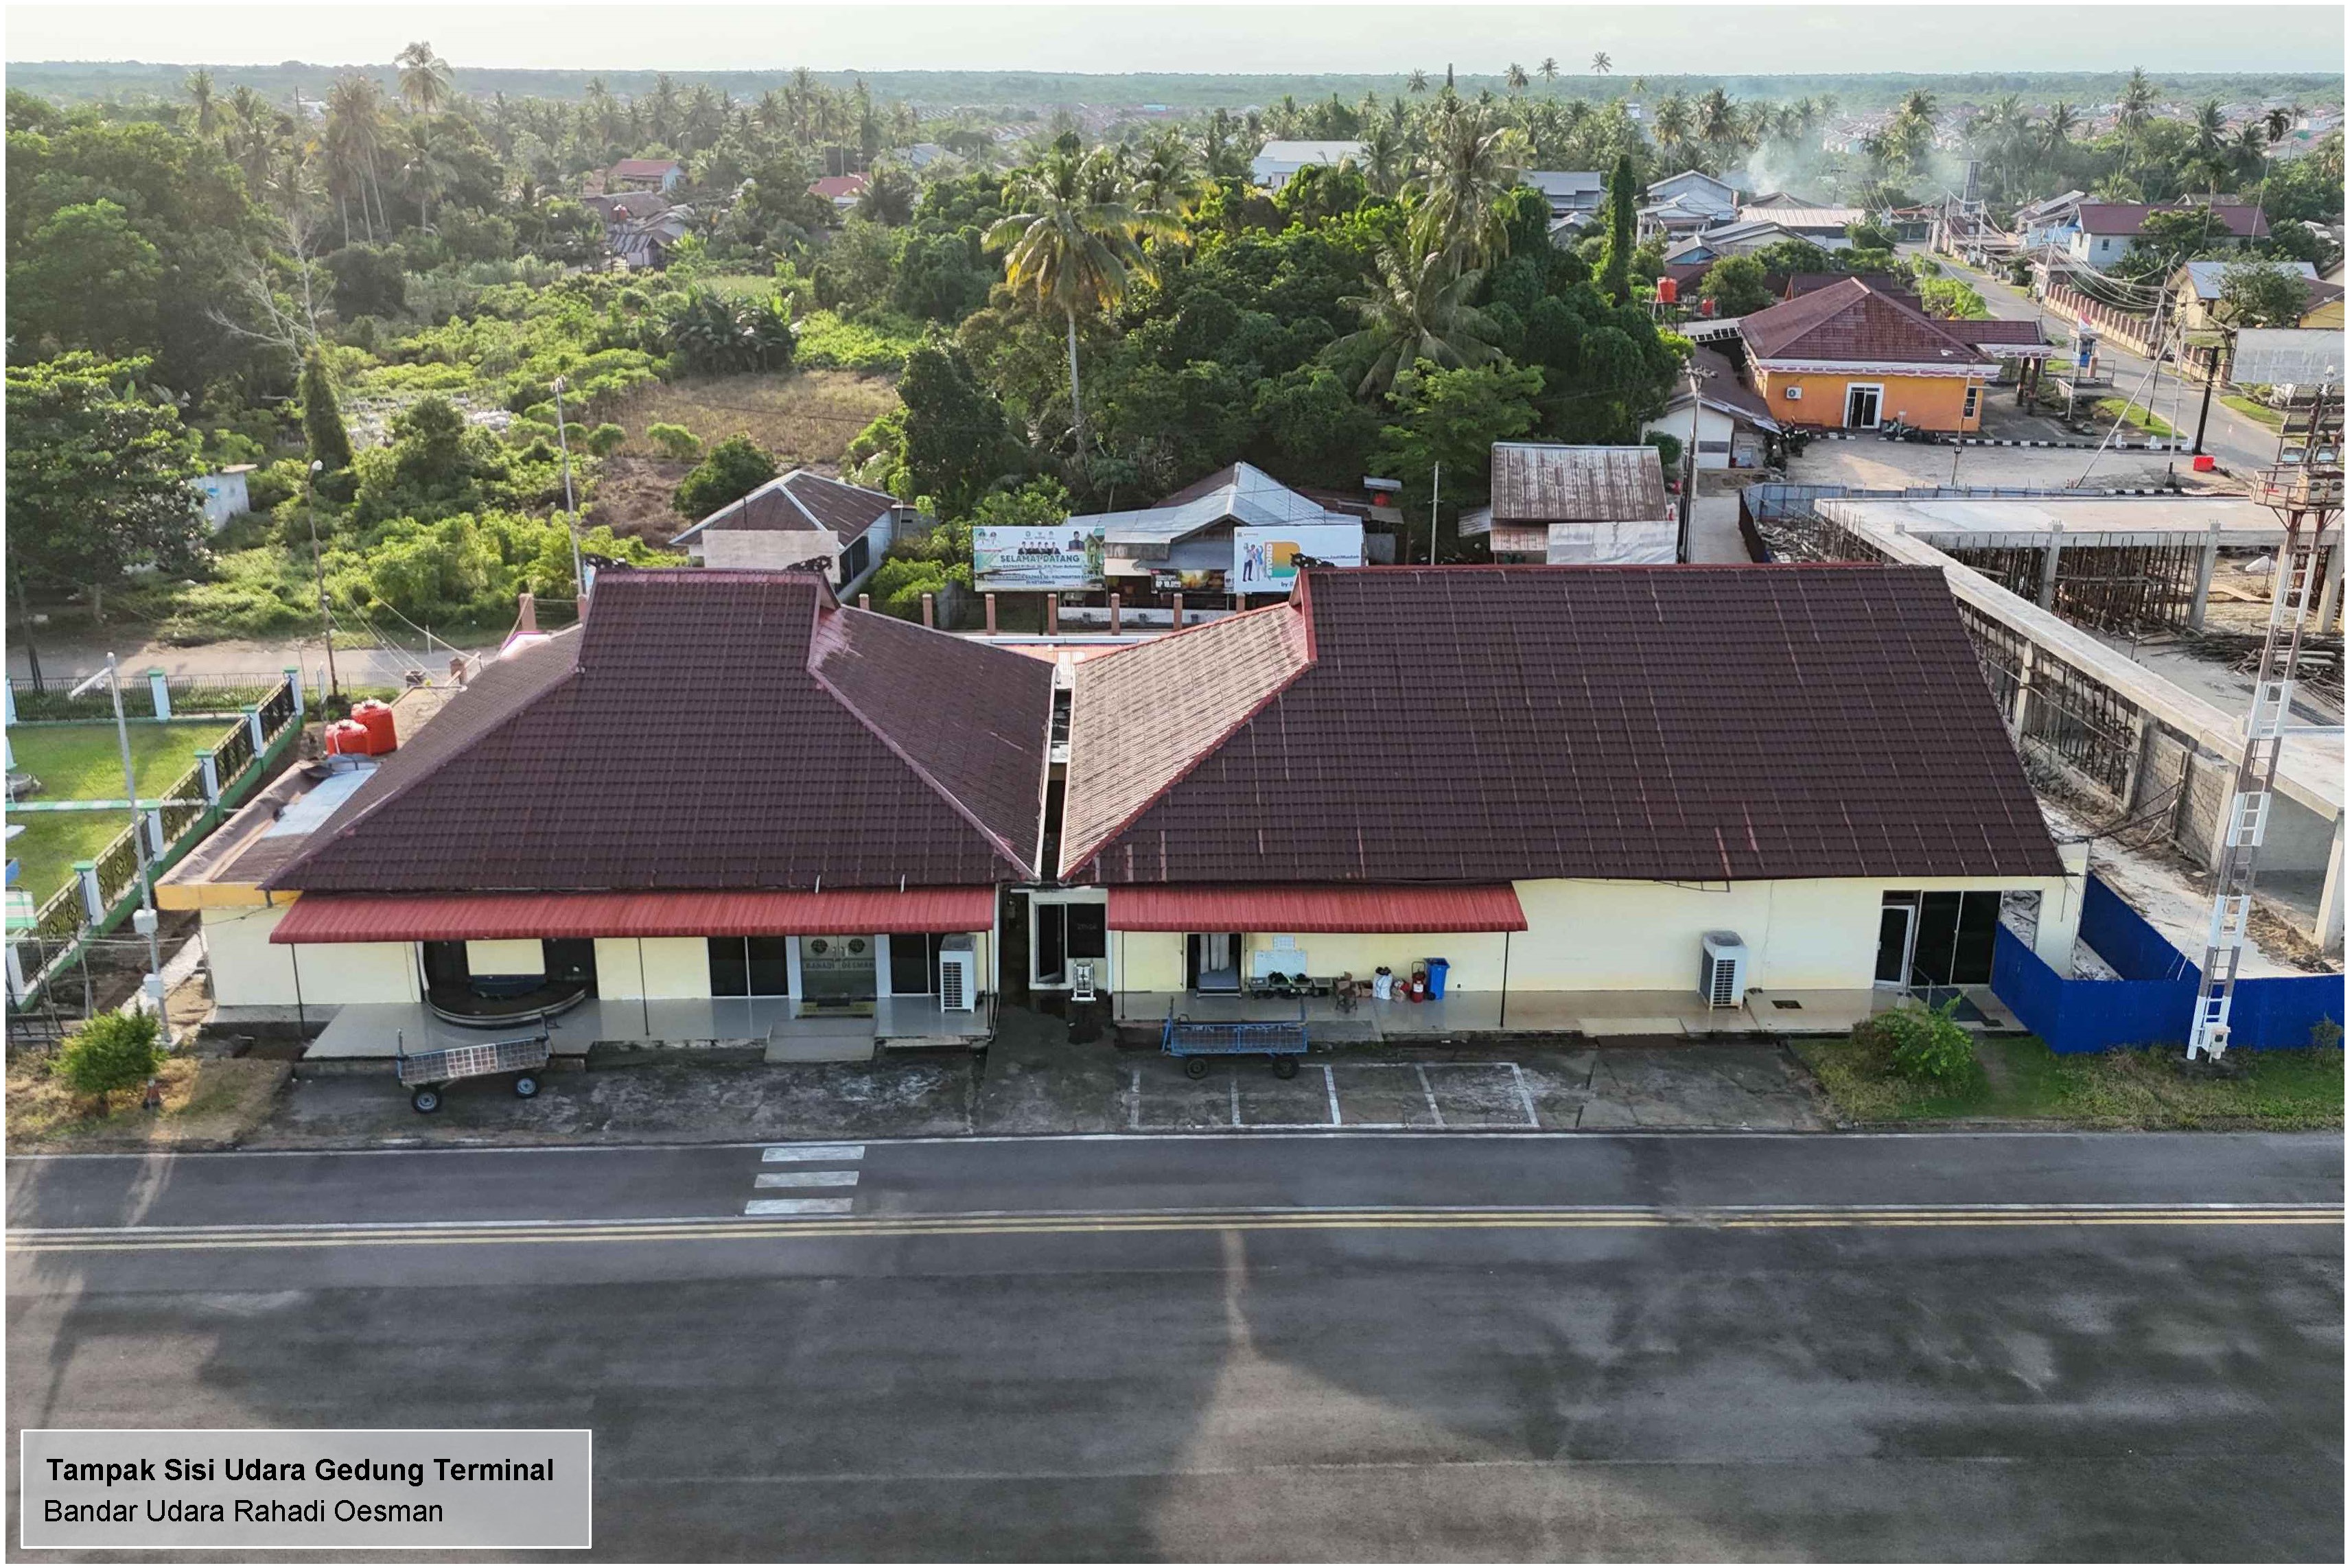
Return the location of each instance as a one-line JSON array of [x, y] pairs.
[[1115, 35]]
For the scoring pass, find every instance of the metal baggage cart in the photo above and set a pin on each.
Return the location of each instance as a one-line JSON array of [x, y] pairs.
[[427, 1073], [1193, 1042]]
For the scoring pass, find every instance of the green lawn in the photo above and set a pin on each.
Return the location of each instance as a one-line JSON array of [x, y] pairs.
[[2022, 1079], [2104, 412], [2270, 418], [83, 762]]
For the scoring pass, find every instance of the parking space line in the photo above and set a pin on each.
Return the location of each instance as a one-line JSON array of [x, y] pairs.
[[1526, 1099], [798, 1205], [805, 1178], [781, 1154], [1421, 1073], [1331, 1091], [1234, 1083], [1135, 1101]]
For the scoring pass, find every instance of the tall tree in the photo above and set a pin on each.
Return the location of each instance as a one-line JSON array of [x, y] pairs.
[[1472, 162], [1618, 238], [1600, 65], [1069, 250], [425, 85], [1418, 308], [322, 417]]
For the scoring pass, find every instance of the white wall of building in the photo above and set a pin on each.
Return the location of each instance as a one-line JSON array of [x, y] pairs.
[[767, 550], [248, 971]]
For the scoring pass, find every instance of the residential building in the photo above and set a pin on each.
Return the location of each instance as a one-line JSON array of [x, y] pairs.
[[663, 174], [1710, 246], [1852, 357], [1561, 780], [842, 189], [2051, 223], [1823, 226], [1581, 506], [1682, 204], [2197, 293], [725, 808], [1236, 531], [2105, 232], [224, 494], [799, 518], [1730, 425], [1574, 196], [1276, 162]]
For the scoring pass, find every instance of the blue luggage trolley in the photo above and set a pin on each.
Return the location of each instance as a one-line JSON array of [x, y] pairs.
[[1283, 1043]]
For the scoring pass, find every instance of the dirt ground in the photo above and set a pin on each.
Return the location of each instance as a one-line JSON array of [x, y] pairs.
[[805, 417], [631, 498]]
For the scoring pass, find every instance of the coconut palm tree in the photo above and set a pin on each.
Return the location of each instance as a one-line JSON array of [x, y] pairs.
[[356, 133], [427, 163], [1069, 250], [1167, 178], [1549, 70], [1418, 308], [1416, 82], [205, 107], [1718, 121], [2277, 123], [1672, 124], [1600, 65], [1384, 158], [1515, 76], [1472, 162], [2132, 109], [424, 81]]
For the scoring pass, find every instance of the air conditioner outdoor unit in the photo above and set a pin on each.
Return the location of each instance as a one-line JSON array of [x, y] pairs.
[[959, 976], [1723, 968]]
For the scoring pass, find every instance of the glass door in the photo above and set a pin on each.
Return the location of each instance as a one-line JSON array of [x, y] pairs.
[[1862, 408], [837, 969], [1894, 925]]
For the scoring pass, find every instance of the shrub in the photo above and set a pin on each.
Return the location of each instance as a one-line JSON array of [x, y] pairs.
[[736, 468], [674, 440], [605, 440], [1920, 1044], [112, 1051]]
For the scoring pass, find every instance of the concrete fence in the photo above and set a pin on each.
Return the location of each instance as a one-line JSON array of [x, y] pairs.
[[2137, 333]]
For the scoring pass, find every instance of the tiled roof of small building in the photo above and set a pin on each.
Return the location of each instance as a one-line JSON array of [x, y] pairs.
[[1850, 321]]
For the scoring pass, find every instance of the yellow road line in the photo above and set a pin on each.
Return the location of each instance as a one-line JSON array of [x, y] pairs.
[[460, 1234]]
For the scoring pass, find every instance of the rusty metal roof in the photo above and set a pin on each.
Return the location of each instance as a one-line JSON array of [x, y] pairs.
[[1535, 482], [495, 916]]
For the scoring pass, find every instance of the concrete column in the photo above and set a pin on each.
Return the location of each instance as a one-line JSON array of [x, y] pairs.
[[2138, 759], [2017, 707], [253, 727], [159, 689], [2331, 586], [930, 611], [294, 685], [2327, 930], [18, 987], [2205, 577], [8, 696], [2048, 597], [86, 874], [2061, 913], [866, 601], [1053, 614], [989, 599], [210, 764], [1114, 614], [1176, 620], [155, 838]]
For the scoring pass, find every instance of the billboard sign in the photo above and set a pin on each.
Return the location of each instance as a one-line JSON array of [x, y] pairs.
[[1063, 557], [2274, 356], [1265, 559]]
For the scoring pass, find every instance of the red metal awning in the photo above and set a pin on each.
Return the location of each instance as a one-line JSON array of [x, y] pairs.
[[492, 916], [1339, 907]]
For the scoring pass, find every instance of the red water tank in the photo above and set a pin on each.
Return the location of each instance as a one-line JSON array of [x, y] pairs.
[[1669, 291], [1707, 308], [347, 738], [381, 736]]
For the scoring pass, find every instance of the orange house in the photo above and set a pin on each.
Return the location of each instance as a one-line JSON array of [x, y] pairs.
[[1849, 357]]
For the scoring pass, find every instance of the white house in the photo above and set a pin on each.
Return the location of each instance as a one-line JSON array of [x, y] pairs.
[[1276, 162], [798, 517], [224, 494]]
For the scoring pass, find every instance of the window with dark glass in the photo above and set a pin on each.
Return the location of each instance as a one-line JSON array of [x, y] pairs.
[[914, 963], [750, 967]]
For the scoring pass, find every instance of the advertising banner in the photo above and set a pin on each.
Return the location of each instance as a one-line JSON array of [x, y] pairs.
[[1051, 558], [1265, 560]]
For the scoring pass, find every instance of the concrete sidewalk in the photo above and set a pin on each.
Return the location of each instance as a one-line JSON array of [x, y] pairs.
[[1033, 1079]]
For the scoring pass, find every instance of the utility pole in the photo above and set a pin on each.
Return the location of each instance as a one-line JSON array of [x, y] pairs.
[[570, 512], [146, 920], [2204, 407], [1433, 497], [318, 571], [1690, 471]]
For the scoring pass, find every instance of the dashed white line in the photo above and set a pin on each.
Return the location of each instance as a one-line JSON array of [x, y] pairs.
[[805, 1178], [1235, 1080], [798, 1205], [783, 1154], [1428, 1094], [1331, 1092]]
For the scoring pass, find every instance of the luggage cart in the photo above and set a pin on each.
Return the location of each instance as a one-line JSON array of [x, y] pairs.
[[1193, 1043], [428, 1074]]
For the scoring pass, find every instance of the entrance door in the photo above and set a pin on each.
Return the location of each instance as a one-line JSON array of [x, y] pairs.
[[837, 969], [1212, 961], [1861, 407], [1894, 922]]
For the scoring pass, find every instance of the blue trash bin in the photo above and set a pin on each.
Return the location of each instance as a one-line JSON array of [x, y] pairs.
[[1438, 967]]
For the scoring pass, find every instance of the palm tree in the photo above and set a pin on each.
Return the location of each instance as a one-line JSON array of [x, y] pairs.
[[1719, 123], [1067, 248], [205, 108], [428, 165], [2059, 126], [1418, 308], [1515, 76], [1170, 178], [355, 135], [1600, 65], [1673, 123], [1384, 155], [1416, 82], [1472, 164], [2138, 99], [1549, 70], [2275, 124], [424, 81]]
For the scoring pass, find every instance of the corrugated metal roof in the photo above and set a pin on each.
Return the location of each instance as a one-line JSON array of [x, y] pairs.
[[800, 502], [503, 916], [1250, 496], [1338, 907], [1539, 483]]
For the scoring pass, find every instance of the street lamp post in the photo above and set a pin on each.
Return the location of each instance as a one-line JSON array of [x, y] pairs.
[[147, 922], [570, 512], [318, 571]]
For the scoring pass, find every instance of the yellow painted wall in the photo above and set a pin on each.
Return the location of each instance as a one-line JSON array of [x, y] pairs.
[[247, 972], [334, 973], [1474, 959], [1148, 960], [1932, 403], [617, 975], [2329, 315], [675, 966], [505, 957]]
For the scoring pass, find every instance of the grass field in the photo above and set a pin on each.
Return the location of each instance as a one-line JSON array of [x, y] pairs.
[[802, 416], [2024, 1080], [83, 762], [2104, 412], [2262, 414]]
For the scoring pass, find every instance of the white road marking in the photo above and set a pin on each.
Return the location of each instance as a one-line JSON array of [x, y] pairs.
[[1526, 1099], [781, 1153], [1428, 1094], [806, 1178], [1235, 1083], [798, 1205], [1331, 1092]]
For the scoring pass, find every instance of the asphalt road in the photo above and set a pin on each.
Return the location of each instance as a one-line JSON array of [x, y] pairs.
[[1376, 1348]]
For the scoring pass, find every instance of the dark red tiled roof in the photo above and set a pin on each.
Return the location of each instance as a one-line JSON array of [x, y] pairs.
[[801, 502], [710, 730], [1489, 724], [645, 168], [2245, 221], [1850, 321], [1994, 331], [1803, 283]]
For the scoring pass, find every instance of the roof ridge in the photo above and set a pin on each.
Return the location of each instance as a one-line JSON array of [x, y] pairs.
[[930, 780]]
